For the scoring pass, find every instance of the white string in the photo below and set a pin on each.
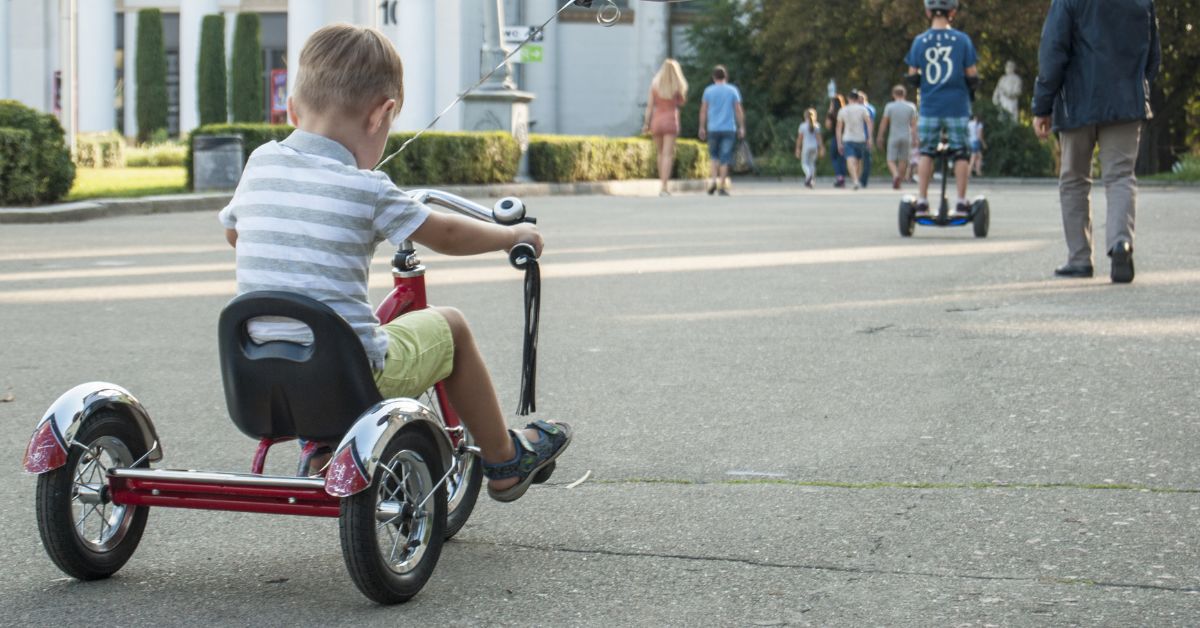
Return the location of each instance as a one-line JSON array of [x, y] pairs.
[[533, 32]]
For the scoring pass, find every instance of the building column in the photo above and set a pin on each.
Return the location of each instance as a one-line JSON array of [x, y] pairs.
[[95, 56], [303, 19], [542, 78], [448, 60], [652, 25], [191, 14], [130, 99], [413, 35], [5, 45]]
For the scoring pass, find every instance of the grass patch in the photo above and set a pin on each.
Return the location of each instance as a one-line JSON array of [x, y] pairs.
[[127, 182], [1187, 169]]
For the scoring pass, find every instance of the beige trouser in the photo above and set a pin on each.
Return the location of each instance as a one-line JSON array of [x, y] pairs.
[[1118, 155]]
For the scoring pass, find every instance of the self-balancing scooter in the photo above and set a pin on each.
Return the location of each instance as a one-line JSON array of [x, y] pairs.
[[979, 215]]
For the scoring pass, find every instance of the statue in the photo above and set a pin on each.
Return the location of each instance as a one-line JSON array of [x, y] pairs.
[[1008, 90]]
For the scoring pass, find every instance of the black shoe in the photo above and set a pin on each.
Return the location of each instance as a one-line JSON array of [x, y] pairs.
[[723, 192], [1075, 271], [921, 207], [712, 189], [1122, 262]]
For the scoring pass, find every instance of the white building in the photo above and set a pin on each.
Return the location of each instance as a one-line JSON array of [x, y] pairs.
[[76, 58]]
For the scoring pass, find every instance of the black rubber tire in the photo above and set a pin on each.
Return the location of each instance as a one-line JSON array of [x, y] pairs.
[[55, 514], [982, 220], [360, 537], [908, 220], [457, 516]]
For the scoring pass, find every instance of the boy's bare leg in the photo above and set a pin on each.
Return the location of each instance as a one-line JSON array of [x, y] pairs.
[[894, 168], [854, 167], [924, 174], [962, 172], [473, 396]]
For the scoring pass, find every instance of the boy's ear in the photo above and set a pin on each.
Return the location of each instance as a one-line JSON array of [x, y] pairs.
[[293, 116], [381, 115]]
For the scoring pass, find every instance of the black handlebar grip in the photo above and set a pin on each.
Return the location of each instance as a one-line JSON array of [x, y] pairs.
[[521, 254]]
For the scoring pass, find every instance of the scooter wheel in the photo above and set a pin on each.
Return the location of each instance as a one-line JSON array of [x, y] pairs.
[[392, 531], [908, 220], [982, 219], [462, 487], [86, 535]]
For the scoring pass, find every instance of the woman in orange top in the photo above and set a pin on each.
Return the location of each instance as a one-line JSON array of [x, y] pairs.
[[668, 91]]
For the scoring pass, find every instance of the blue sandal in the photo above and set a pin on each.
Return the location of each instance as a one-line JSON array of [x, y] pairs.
[[531, 459]]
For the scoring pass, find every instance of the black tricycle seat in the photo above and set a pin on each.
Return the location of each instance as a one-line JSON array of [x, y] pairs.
[[281, 389]]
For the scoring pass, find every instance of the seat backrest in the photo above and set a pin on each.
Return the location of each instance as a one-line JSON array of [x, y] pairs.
[[277, 388]]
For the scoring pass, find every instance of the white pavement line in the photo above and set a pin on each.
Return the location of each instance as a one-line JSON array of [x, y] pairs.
[[502, 272], [117, 251], [127, 271]]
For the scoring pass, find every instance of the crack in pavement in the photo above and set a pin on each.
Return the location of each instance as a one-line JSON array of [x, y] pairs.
[[843, 569]]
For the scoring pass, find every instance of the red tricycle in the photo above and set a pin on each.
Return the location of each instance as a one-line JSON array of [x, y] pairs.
[[403, 478]]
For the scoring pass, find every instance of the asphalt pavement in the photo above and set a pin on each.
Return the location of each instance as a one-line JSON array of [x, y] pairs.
[[787, 415]]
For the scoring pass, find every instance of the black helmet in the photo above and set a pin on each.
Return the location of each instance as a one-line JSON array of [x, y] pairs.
[[941, 5]]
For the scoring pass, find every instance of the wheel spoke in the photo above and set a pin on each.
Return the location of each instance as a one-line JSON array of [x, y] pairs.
[[392, 554], [79, 524]]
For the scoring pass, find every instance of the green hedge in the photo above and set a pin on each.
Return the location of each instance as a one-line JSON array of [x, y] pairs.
[[210, 75], [470, 158], [100, 150], [18, 179], [156, 155], [52, 167], [247, 87], [564, 158], [151, 64]]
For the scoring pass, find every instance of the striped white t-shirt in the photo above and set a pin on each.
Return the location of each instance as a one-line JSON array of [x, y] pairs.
[[308, 221]]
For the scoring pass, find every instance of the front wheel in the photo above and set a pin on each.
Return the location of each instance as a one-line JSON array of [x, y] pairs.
[[86, 535], [908, 219], [392, 532], [982, 219]]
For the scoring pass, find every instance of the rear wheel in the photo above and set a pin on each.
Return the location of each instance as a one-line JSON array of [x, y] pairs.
[[908, 220], [462, 487], [392, 532], [86, 535], [982, 219]]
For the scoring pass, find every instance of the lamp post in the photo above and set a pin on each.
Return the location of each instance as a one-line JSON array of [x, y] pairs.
[[498, 105]]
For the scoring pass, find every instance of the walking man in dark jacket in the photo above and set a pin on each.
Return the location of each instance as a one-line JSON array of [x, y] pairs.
[[1095, 66]]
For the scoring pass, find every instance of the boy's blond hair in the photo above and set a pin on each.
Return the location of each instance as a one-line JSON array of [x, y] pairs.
[[345, 68]]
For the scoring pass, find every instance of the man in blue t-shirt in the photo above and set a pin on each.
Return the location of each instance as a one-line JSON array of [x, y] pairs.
[[722, 123], [942, 63]]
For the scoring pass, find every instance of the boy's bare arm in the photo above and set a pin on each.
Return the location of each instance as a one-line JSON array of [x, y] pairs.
[[450, 234], [231, 237]]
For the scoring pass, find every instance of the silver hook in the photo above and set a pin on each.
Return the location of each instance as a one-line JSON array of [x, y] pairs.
[[609, 14]]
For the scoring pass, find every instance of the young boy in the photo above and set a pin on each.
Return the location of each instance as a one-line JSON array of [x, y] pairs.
[[854, 131], [309, 212], [897, 134], [942, 63]]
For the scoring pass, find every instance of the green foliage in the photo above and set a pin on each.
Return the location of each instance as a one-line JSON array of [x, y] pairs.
[[18, 178], [1187, 169], [436, 158], [156, 155], [210, 88], [100, 150], [52, 167], [782, 54], [564, 158], [151, 74], [439, 157], [248, 87], [1013, 150]]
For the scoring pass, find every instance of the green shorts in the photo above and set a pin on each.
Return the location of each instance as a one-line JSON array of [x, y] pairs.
[[420, 354]]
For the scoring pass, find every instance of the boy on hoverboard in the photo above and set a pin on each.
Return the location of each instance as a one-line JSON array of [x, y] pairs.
[[941, 63]]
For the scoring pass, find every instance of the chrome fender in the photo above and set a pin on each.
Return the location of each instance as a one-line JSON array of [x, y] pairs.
[[56, 431], [357, 456]]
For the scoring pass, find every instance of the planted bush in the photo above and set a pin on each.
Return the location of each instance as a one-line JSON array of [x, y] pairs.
[[565, 158], [151, 74], [53, 170], [436, 157], [210, 73], [247, 86], [156, 155], [100, 150], [18, 177]]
